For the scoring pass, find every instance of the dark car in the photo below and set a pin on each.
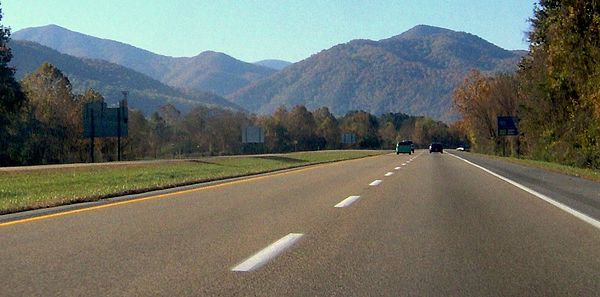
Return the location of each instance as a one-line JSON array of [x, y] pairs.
[[436, 147]]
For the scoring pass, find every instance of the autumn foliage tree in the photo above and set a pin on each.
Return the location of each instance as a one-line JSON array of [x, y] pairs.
[[302, 128], [57, 114], [480, 100], [555, 93], [473, 101], [364, 125], [327, 128], [561, 78]]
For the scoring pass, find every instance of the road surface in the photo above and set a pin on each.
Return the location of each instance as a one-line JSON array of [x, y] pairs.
[[419, 225]]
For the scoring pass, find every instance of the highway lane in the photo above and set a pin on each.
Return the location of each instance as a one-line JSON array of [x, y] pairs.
[[435, 227], [441, 229]]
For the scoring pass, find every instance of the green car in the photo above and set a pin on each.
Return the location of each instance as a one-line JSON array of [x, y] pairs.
[[405, 147]]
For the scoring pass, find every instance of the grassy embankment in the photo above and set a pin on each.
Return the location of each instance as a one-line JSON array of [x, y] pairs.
[[32, 189]]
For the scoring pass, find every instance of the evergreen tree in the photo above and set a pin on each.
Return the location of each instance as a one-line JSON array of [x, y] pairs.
[[11, 98]]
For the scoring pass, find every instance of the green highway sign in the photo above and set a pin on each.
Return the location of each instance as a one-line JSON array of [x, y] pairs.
[[507, 126], [102, 121]]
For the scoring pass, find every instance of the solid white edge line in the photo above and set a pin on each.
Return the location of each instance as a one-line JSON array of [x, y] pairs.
[[376, 182], [346, 202], [261, 258], [561, 206], [389, 174]]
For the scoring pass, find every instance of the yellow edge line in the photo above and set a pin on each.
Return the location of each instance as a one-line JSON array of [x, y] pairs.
[[162, 196]]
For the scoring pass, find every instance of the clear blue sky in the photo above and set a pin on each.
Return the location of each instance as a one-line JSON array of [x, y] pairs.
[[256, 30]]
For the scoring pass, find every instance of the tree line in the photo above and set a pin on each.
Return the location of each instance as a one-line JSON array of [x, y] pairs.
[[555, 94], [44, 126]]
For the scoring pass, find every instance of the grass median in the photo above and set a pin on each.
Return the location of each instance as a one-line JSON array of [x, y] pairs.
[[22, 190]]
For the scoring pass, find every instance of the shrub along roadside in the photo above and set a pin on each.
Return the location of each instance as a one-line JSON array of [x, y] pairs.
[[40, 188]]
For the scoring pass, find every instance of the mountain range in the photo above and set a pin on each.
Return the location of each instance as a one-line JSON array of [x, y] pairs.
[[209, 71], [414, 72], [274, 64], [145, 93]]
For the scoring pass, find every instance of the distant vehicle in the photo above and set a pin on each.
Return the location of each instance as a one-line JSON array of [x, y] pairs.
[[460, 148], [436, 147], [405, 147]]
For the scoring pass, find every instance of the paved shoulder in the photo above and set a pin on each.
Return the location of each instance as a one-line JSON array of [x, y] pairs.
[[580, 194]]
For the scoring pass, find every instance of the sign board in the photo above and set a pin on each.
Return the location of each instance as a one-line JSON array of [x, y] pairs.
[[102, 121], [507, 126], [348, 138], [253, 135]]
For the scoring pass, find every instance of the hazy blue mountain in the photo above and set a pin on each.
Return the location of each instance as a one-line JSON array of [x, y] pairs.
[[209, 71], [274, 64], [85, 46], [414, 72], [214, 71], [145, 93]]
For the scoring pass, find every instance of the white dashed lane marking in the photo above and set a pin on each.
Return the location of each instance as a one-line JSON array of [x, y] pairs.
[[376, 182], [346, 202], [267, 254]]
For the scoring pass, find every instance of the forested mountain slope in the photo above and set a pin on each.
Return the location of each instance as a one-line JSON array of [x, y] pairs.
[[414, 72]]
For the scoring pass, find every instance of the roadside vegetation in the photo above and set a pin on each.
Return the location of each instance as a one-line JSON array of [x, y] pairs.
[[45, 187], [555, 94]]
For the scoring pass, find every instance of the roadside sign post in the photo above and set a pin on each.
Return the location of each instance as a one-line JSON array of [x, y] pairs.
[[348, 138], [507, 126], [253, 139], [252, 134], [92, 135], [120, 116], [101, 121]]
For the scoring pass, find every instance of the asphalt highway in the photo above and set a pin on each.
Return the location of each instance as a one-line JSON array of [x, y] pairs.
[[419, 225]]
